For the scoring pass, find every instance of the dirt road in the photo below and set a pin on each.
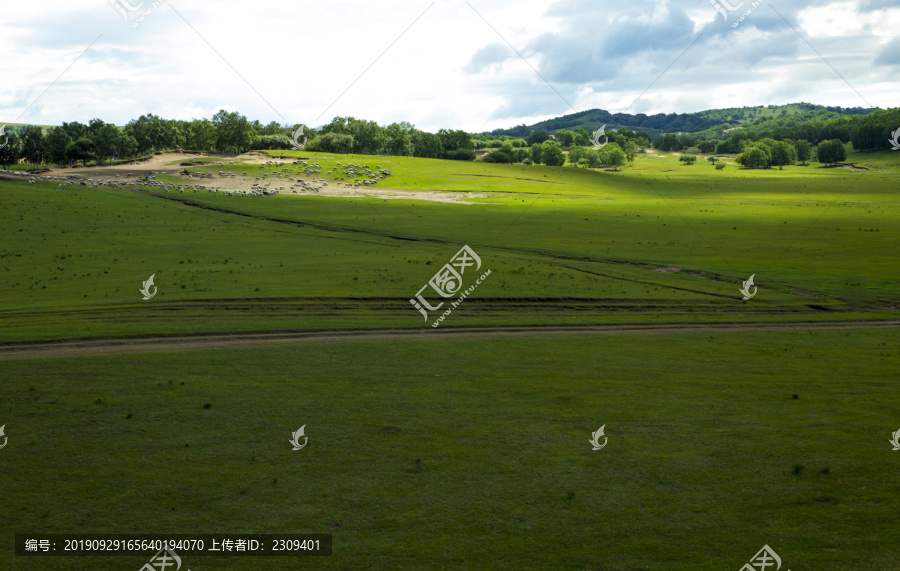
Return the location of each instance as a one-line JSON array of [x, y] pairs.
[[76, 348]]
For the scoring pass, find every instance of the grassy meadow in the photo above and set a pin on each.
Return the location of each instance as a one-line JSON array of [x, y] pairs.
[[660, 242], [431, 451], [472, 454]]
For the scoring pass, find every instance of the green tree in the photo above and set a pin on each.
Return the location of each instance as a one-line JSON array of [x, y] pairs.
[[537, 137], [80, 150], [106, 142], [55, 142], [688, 159], [200, 135], [273, 128], [233, 131], [128, 147], [686, 141], [94, 126], [332, 143], [426, 145], [804, 150], [33, 145], [592, 159], [398, 139], [368, 136], [753, 157], [78, 130], [630, 149], [582, 137], [455, 140], [147, 130], [576, 154], [668, 142], [536, 153], [565, 137], [281, 141], [552, 155], [782, 153], [12, 152], [499, 156], [612, 155], [831, 151], [707, 147]]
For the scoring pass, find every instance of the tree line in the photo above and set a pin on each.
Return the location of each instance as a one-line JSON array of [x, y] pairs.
[[232, 132], [228, 132], [867, 133]]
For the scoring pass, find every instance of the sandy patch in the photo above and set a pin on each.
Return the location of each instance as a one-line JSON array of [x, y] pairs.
[[170, 164]]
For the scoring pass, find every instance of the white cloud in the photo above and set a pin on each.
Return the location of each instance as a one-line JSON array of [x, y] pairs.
[[449, 69]]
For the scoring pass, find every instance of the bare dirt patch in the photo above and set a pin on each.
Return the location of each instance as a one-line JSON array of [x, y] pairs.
[[171, 164]]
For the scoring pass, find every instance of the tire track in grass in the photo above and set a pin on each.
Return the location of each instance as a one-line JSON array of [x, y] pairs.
[[76, 348]]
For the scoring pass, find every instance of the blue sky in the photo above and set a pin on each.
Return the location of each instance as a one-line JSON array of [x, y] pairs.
[[474, 65]]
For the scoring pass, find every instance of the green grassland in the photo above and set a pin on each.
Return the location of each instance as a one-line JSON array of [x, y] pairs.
[[473, 453], [565, 245], [467, 452]]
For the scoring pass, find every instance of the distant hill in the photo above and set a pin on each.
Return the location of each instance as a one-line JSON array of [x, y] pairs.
[[717, 119]]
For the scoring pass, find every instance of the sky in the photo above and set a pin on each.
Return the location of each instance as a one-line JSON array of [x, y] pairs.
[[475, 65]]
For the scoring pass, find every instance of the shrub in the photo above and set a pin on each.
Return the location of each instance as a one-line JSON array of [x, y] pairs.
[[273, 142], [460, 155], [331, 143], [498, 156]]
